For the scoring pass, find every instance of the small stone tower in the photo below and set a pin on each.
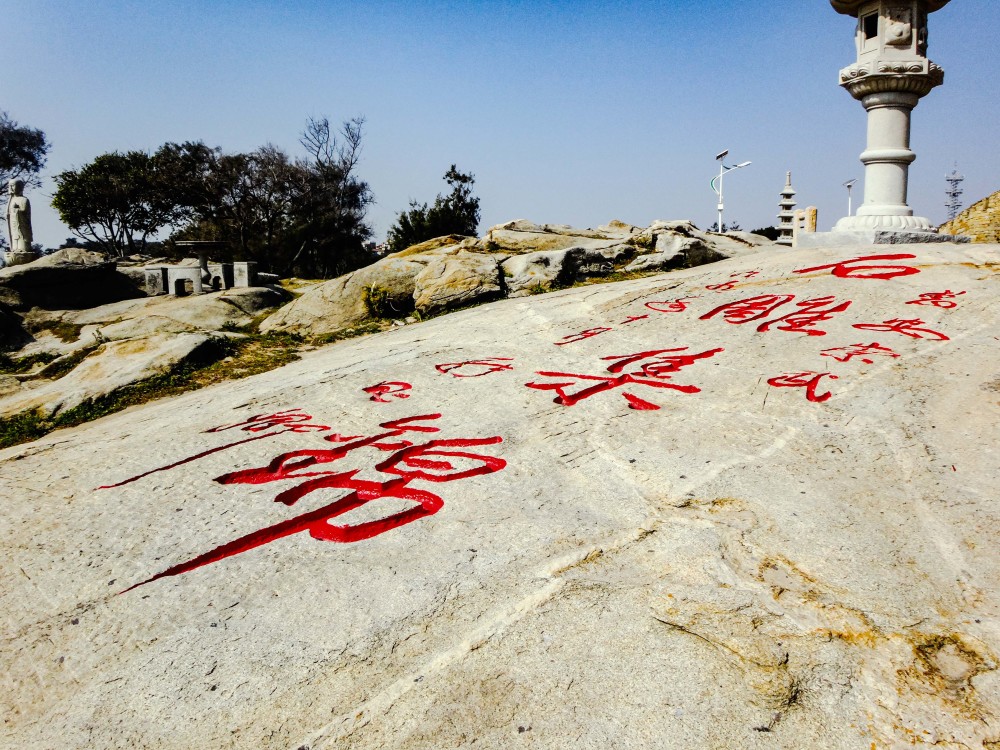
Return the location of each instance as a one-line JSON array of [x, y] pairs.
[[787, 203]]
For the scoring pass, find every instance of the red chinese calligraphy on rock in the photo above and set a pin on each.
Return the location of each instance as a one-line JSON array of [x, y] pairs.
[[655, 373], [909, 328], [850, 268], [435, 461], [588, 333], [811, 312], [734, 281], [632, 319], [808, 380], [943, 299], [269, 425], [475, 368], [391, 388], [670, 306], [862, 351], [753, 308]]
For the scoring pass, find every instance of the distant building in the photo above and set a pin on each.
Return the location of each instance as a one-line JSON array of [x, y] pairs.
[[786, 218]]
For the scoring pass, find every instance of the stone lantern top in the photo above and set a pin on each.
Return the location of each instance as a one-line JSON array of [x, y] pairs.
[[891, 40], [853, 7]]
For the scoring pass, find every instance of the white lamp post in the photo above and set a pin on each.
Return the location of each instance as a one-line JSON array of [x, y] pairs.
[[717, 181], [850, 205]]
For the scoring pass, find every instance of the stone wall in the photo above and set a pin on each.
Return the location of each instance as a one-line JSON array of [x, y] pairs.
[[981, 221]]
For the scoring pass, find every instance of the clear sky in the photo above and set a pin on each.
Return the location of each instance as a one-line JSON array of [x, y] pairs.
[[567, 111]]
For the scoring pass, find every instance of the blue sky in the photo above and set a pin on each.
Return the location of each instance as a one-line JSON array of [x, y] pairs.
[[567, 112]]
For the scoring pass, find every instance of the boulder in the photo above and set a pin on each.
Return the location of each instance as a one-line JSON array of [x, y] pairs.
[[145, 316], [111, 366], [454, 271], [68, 279], [452, 281], [382, 290]]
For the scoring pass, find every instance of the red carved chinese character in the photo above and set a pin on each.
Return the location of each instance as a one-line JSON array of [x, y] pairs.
[[632, 319], [670, 306], [845, 270], [864, 351], [432, 461], [393, 388], [290, 420], [905, 327], [585, 334], [293, 420], [807, 380], [723, 287], [726, 286], [475, 368], [655, 373], [937, 299], [754, 308], [812, 312]]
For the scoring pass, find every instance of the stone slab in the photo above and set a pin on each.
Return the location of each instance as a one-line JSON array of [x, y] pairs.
[[861, 238]]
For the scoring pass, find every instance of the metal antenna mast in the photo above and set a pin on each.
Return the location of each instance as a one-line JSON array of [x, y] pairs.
[[954, 193]]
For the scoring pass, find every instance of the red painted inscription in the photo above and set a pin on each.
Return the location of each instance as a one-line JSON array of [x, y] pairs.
[[943, 299], [863, 351], [387, 390], [430, 461], [807, 380], [909, 328], [475, 368], [655, 372], [850, 269], [589, 333]]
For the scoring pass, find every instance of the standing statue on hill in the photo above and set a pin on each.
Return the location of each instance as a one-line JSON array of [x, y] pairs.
[[18, 225]]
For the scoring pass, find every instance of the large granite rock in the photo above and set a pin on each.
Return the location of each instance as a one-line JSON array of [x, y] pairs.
[[796, 549], [514, 259], [147, 316], [109, 367], [68, 279]]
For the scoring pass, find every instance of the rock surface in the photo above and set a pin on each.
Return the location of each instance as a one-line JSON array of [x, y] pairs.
[[147, 316], [515, 259], [675, 553], [68, 279], [111, 366], [980, 221]]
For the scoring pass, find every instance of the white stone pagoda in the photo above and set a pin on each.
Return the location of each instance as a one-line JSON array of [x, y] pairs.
[[786, 225], [890, 76]]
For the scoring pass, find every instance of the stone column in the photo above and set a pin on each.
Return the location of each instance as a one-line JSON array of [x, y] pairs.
[[890, 77]]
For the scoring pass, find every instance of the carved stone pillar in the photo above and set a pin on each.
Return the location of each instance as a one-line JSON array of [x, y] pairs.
[[891, 75]]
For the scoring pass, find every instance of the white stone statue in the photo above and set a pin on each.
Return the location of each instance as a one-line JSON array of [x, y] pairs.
[[18, 219]]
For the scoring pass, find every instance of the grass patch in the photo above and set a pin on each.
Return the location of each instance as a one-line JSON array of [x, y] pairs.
[[65, 332], [12, 366], [251, 355], [378, 301], [362, 329]]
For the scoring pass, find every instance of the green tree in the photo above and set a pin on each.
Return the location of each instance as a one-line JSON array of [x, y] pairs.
[[22, 151], [301, 216], [121, 200], [455, 213]]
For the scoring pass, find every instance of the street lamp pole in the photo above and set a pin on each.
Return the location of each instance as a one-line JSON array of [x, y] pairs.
[[850, 206], [723, 170]]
